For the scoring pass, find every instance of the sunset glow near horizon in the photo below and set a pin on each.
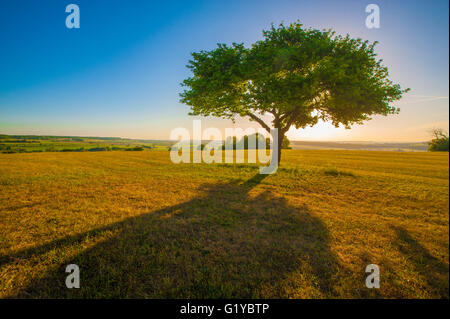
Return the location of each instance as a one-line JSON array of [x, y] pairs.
[[120, 73]]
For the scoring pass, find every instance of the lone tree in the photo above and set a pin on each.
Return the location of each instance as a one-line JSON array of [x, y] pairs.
[[440, 142], [295, 75]]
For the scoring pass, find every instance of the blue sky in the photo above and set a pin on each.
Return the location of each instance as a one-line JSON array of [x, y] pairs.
[[120, 73]]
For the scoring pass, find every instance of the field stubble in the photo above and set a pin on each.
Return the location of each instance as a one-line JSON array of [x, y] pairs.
[[140, 226]]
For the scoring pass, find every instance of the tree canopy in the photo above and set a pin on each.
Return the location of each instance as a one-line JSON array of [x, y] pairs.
[[294, 74]]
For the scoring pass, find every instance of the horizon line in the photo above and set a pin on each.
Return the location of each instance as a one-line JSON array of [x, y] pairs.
[[169, 140]]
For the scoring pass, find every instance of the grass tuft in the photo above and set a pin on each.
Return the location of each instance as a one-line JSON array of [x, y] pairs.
[[336, 173]]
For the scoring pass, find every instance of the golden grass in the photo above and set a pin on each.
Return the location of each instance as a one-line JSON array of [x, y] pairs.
[[139, 226]]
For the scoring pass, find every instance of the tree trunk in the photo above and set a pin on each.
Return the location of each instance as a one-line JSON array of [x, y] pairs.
[[280, 141], [277, 150]]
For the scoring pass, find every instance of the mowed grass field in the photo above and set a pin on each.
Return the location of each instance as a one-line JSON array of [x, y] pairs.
[[139, 226]]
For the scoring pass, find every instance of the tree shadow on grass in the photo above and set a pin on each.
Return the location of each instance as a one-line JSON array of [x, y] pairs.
[[435, 272], [225, 243]]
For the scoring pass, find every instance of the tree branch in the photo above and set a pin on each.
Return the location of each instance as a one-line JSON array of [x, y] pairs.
[[290, 122], [285, 115], [261, 122]]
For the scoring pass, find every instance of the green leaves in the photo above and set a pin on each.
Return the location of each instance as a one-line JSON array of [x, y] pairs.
[[298, 75]]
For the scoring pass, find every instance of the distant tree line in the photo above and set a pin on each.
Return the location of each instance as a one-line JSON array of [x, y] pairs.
[[259, 139], [244, 144]]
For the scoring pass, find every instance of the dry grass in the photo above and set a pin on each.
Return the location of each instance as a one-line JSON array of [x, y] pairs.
[[140, 226]]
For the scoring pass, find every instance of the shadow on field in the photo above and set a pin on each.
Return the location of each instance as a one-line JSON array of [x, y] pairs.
[[225, 243], [432, 269]]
